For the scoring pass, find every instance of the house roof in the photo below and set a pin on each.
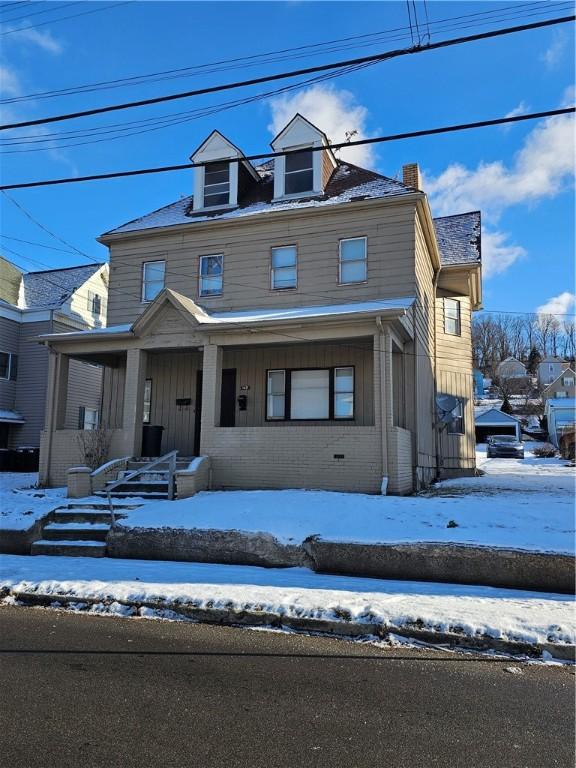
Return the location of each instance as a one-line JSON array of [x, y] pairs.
[[51, 288], [566, 372], [459, 238], [348, 183], [490, 415]]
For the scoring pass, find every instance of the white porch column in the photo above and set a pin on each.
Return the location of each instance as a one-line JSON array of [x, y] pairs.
[[136, 360], [61, 390], [55, 413], [383, 397], [211, 390]]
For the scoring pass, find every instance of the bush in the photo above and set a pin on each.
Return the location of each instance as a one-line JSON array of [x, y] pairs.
[[545, 451]]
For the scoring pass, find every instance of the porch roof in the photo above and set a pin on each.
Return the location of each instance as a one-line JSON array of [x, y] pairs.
[[204, 321]]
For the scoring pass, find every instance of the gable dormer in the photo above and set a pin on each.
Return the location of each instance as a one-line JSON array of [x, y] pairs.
[[217, 184], [306, 172]]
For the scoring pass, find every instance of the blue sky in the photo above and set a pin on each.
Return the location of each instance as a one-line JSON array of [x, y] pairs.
[[522, 177]]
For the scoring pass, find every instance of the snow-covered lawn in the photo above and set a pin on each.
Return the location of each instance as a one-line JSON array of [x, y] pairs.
[[518, 504], [513, 615], [21, 503]]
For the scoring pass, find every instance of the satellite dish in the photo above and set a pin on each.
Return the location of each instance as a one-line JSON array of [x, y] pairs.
[[446, 403]]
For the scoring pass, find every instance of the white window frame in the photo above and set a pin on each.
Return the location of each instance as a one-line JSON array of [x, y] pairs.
[[200, 276], [457, 318], [311, 169], [352, 261], [568, 381], [288, 394], [93, 298], [205, 186], [456, 427], [146, 282], [91, 419], [10, 367], [271, 395], [274, 270], [337, 392]]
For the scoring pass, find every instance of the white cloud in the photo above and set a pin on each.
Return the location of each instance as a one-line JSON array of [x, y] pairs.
[[9, 81], [332, 110], [558, 305], [44, 40], [497, 254], [521, 109], [554, 54]]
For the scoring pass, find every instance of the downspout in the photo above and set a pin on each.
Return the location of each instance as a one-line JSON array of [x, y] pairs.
[[382, 408], [435, 280]]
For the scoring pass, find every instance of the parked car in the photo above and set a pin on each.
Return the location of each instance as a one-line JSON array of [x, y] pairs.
[[505, 446]]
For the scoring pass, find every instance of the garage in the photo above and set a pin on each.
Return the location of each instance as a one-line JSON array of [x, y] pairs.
[[489, 420]]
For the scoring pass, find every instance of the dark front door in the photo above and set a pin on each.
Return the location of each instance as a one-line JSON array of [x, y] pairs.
[[228, 399], [197, 413]]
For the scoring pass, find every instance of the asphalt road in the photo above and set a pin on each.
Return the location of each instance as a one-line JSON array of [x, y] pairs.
[[86, 691]]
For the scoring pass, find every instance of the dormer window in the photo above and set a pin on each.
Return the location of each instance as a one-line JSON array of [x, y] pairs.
[[299, 172], [216, 184]]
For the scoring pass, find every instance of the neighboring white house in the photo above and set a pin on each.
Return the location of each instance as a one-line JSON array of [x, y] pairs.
[[563, 386], [561, 416], [511, 368], [549, 369], [489, 420]]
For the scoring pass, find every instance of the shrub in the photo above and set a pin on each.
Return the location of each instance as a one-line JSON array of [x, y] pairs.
[[545, 451]]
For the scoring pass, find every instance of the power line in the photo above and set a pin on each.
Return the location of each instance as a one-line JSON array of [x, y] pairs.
[[519, 10], [36, 13], [266, 155], [62, 18], [293, 73], [38, 245]]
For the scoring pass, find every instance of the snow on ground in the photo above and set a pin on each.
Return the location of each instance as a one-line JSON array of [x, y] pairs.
[[515, 615], [22, 503], [525, 504]]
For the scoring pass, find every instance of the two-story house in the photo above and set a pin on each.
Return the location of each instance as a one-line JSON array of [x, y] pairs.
[[562, 386], [35, 303], [296, 322], [549, 369]]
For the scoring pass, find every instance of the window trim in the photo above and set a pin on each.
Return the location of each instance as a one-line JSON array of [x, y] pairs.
[[458, 319], [331, 392], [96, 422], [204, 185], [365, 260], [290, 287], [144, 281], [299, 151], [462, 430], [209, 295], [11, 357]]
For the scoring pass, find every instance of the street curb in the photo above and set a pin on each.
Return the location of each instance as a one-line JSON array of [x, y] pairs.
[[333, 627]]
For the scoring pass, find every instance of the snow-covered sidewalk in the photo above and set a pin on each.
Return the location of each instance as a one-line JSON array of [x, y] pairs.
[[473, 612]]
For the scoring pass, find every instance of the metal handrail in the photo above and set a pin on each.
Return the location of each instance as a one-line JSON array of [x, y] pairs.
[[168, 457]]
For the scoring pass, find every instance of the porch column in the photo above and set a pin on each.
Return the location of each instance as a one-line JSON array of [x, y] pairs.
[[211, 389], [383, 396], [55, 413], [61, 390], [136, 360]]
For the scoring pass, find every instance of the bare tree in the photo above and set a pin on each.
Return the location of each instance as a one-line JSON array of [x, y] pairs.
[[95, 446]]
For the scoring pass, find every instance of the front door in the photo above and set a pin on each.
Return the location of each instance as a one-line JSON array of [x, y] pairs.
[[228, 398]]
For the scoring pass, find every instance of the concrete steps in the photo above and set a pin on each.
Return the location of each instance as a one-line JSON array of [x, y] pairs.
[[149, 485], [69, 548]]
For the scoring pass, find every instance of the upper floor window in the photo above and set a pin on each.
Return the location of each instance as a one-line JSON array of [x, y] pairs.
[[8, 366], [283, 273], [216, 184], [452, 317], [94, 303], [568, 381], [211, 275], [353, 257], [299, 172], [152, 279]]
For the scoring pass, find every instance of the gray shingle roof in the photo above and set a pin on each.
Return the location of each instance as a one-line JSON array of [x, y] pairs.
[[348, 183], [459, 238], [51, 288]]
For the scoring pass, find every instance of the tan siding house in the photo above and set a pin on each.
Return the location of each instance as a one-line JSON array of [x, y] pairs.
[[297, 323]]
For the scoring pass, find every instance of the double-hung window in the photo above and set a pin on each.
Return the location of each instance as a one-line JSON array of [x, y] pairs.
[[568, 381], [456, 426], [152, 279], [94, 303], [216, 184], [8, 366], [211, 275], [353, 258], [452, 317], [299, 173], [283, 272], [88, 418], [310, 394]]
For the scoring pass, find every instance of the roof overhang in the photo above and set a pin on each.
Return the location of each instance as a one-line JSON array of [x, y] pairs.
[[11, 417], [465, 279]]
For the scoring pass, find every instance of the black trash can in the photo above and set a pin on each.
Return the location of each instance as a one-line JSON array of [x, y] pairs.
[[5, 460], [152, 440], [26, 460]]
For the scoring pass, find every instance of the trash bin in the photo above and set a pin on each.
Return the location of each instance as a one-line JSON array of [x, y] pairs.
[[152, 440], [25, 459], [5, 459]]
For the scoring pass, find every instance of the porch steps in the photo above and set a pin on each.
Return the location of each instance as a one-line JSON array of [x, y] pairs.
[[77, 530], [149, 485], [159, 495]]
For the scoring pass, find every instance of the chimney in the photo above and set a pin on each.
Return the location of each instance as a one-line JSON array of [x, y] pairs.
[[411, 175]]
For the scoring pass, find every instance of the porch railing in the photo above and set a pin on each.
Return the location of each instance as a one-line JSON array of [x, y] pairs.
[[169, 458]]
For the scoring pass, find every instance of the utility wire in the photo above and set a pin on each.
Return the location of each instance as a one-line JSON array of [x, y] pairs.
[[38, 245], [513, 11], [267, 155], [62, 18], [293, 73], [36, 13]]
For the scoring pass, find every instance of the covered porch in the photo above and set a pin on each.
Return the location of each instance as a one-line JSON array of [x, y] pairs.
[[319, 401]]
